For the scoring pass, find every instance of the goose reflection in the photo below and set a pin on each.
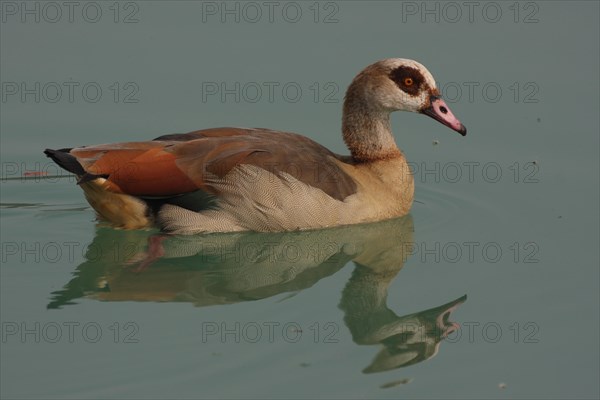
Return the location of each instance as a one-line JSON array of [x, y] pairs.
[[230, 268]]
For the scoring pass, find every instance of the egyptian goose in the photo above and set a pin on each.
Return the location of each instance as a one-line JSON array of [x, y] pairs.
[[240, 179]]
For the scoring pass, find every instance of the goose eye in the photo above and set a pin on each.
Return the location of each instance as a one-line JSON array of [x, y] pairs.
[[408, 81]]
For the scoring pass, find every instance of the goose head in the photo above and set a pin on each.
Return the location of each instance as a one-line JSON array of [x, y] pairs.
[[397, 84]]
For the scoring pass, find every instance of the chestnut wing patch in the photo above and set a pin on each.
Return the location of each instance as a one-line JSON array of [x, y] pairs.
[[136, 168]]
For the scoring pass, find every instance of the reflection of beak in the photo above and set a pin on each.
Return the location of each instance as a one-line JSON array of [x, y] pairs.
[[439, 111]]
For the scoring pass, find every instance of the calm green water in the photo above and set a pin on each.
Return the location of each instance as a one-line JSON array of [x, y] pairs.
[[488, 289]]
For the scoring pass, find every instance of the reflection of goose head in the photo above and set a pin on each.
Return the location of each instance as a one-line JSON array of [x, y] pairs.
[[407, 339], [417, 337]]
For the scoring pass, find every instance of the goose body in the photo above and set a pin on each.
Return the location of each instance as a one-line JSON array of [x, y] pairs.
[[242, 179]]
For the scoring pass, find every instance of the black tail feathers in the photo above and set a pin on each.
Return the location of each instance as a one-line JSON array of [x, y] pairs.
[[65, 160], [69, 162]]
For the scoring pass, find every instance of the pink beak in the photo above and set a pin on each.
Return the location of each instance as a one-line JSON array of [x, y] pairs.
[[439, 111]]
